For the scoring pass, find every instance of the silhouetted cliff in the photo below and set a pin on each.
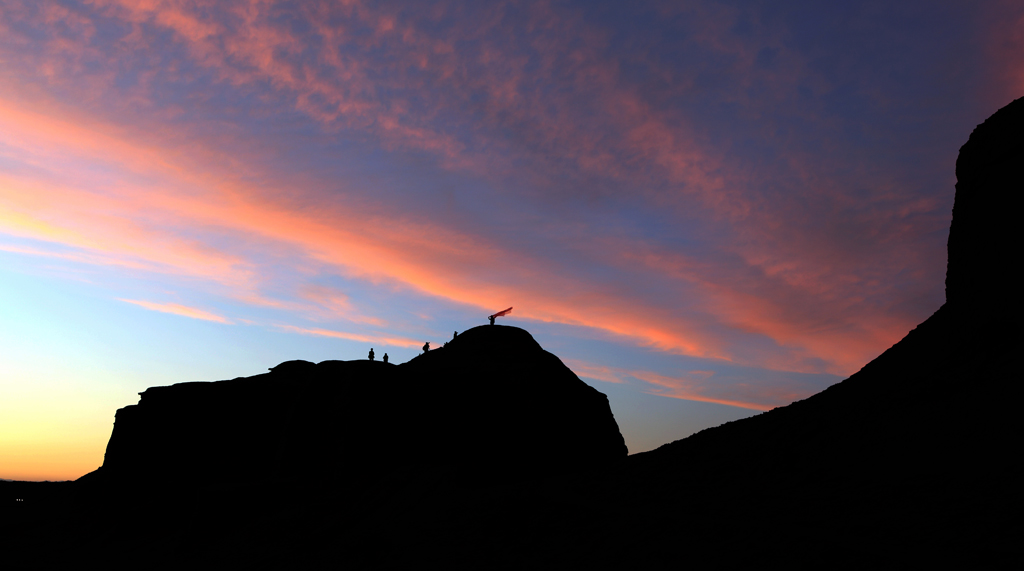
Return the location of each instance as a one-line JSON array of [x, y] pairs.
[[492, 404], [946, 385], [917, 454], [985, 238]]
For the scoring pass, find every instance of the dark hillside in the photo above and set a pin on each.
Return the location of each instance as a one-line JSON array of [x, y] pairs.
[[918, 453], [952, 386]]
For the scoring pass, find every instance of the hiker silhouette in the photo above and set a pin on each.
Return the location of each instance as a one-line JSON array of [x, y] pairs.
[[371, 353], [385, 357], [426, 346], [501, 313]]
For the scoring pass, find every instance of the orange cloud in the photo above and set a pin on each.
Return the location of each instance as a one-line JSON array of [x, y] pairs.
[[177, 309]]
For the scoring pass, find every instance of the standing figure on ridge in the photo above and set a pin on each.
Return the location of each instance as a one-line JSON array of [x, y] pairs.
[[499, 314], [454, 335], [385, 357], [371, 353], [426, 346]]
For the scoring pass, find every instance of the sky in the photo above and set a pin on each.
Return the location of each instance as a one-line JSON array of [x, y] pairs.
[[705, 209]]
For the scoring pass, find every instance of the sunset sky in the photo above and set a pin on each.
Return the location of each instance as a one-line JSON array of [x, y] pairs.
[[705, 209]]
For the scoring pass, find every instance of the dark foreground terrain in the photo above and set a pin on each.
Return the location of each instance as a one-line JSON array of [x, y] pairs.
[[490, 453]]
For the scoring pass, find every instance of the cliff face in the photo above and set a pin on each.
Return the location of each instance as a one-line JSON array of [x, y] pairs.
[[491, 404], [984, 238], [948, 389], [915, 455]]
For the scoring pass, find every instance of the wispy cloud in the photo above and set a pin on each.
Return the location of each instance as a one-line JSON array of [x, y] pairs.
[[694, 386], [596, 372], [333, 303], [178, 309], [382, 340], [700, 386]]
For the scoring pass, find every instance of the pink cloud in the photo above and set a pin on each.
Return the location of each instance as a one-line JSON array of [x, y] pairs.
[[695, 385], [178, 309], [597, 372], [382, 340], [335, 304], [691, 388]]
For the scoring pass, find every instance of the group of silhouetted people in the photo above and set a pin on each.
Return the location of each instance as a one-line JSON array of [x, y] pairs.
[[426, 346]]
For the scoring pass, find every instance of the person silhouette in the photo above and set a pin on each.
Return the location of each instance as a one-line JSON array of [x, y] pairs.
[[385, 357], [371, 353], [501, 313], [454, 335], [426, 346]]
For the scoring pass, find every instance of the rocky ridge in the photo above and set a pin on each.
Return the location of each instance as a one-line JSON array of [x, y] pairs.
[[491, 404]]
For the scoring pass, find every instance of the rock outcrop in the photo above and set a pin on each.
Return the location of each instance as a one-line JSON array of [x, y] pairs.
[[916, 456], [985, 237], [946, 384], [491, 404]]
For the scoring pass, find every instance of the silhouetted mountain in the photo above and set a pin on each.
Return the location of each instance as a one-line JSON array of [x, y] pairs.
[[490, 404]]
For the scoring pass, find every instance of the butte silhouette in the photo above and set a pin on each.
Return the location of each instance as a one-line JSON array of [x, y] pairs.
[[490, 405], [490, 453]]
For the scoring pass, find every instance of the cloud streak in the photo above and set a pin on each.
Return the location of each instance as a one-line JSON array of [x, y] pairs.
[[376, 339], [178, 309], [697, 385]]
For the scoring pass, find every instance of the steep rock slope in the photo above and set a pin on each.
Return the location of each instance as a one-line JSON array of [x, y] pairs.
[[948, 384], [916, 456]]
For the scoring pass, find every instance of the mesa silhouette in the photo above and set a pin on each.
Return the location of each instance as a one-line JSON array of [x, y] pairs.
[[491, 404], [489, 453]]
